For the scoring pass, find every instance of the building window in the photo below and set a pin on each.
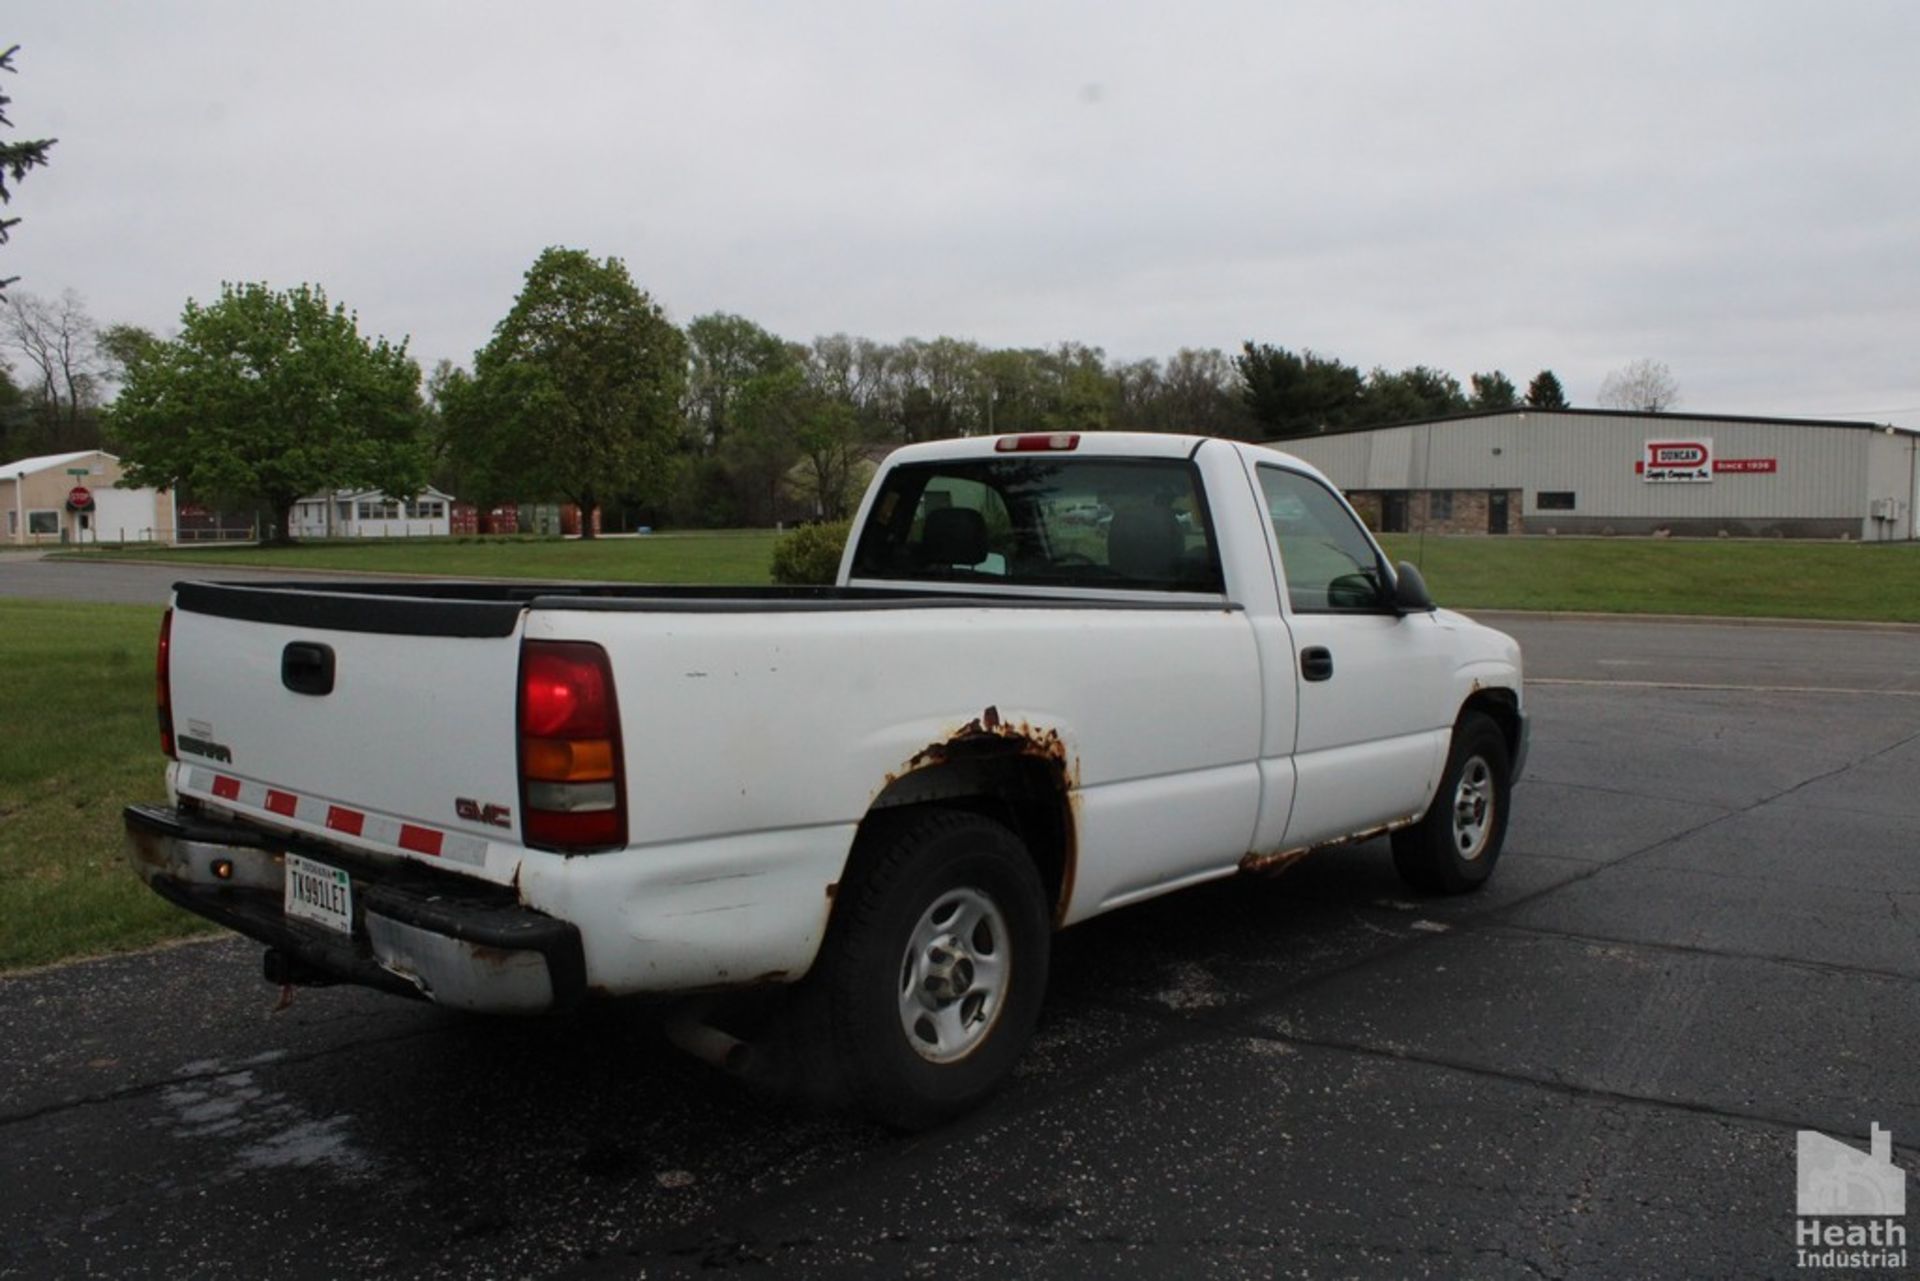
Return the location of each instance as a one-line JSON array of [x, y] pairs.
[[379, 509], [425, 509], [43, 522], [13, 524], [1440, 505], [1554, 500]]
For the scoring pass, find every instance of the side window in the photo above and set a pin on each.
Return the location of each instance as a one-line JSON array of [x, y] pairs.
[[1330, 564]]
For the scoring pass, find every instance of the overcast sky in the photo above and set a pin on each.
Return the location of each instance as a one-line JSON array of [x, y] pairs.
[[1731, 188]]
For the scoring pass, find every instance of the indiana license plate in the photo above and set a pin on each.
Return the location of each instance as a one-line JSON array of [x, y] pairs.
[[319, 893]]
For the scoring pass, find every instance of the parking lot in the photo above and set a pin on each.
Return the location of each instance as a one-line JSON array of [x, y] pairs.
[[1704, 936]]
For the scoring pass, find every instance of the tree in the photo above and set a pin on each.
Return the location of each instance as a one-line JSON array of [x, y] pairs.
[[724, 353], [269, 396], [119, 346], [15, 428], [581, 384], [1411, 395], [765, 442], [1292, 395], [1646, 386], [1544, 392], [60, 343], [16, 159], [1201, 393], [828, 438], [1492, 391]]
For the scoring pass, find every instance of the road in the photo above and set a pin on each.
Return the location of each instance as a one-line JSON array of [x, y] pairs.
[[1705, 936]]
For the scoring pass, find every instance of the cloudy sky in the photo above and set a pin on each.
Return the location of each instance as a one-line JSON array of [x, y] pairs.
[[1732, 188]]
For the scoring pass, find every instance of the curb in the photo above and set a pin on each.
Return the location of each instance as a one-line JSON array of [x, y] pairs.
[[1703, 620]]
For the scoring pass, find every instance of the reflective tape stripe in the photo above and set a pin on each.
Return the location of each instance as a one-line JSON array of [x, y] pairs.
[[377, 829], [421, 840]]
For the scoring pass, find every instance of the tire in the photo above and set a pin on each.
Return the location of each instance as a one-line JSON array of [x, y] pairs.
[[1455, 845], [935, 974]]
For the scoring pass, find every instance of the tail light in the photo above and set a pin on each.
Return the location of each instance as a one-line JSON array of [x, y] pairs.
[[572, 786], [1037, 444], [163, 682]]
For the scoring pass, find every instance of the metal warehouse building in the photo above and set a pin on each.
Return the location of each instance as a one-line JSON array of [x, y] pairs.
[[1592, 471]]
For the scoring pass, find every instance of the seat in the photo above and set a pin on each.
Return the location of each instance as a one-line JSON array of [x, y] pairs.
[[1146, 545], [953, 536]]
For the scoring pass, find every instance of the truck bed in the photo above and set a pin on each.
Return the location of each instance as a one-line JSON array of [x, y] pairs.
[[493, 609]]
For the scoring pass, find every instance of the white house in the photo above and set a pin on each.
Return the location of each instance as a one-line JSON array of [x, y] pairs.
[[369, 513], [72, 498]]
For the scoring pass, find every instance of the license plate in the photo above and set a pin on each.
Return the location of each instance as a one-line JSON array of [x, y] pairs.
[[318, 893]]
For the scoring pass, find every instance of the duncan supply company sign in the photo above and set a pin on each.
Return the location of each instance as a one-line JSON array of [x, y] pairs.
[[1691, 461]]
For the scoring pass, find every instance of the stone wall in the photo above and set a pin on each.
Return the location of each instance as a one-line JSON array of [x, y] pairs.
[[1467, 516]]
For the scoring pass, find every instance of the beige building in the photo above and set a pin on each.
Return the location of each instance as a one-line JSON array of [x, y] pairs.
[[1603, 471], [72, 498]]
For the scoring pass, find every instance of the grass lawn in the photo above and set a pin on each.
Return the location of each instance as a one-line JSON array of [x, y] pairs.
[[1671, 576], [1609, 575], [723, 556], [80, 743]]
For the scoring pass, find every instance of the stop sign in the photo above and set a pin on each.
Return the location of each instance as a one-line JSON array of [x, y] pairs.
[[79, 498]]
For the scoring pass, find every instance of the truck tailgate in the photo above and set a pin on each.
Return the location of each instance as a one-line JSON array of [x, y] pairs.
[[379, 722]]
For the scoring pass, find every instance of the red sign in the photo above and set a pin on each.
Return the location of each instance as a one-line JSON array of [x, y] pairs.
[[1677, 460], [1677, 453], [79, 498], [1746, 464]]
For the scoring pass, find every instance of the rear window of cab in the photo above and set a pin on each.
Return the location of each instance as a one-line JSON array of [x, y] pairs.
[[1132, 524]]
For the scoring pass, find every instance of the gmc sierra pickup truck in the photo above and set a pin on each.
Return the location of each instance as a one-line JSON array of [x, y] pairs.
[[1058, 674]]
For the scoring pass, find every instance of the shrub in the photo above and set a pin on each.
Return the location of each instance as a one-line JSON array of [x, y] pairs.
[[810, 554]]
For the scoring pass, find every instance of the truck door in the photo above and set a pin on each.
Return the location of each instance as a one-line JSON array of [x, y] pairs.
[[1374, 687]]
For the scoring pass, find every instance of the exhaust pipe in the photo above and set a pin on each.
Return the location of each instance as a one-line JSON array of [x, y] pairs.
[[709, 1044]]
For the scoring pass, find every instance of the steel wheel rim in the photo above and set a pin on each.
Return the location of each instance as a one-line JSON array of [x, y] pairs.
[[953, 976], [1473, 809]]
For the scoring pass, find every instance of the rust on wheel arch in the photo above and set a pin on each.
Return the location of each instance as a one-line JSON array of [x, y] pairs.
[[990, 735]]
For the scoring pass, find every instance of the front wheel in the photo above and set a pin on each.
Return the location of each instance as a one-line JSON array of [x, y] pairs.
[[936, 972], [1454, 847]]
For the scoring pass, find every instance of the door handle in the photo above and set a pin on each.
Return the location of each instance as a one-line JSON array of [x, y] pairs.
[[307, 668], [1316, 663]]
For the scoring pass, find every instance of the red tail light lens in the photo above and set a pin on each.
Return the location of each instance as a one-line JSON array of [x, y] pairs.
[[163, 682], [572, 786]]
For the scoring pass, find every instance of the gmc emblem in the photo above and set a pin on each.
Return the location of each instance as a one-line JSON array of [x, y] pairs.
[[475, 812]]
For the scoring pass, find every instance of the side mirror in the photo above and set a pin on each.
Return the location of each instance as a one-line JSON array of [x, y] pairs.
[[1410, 594]]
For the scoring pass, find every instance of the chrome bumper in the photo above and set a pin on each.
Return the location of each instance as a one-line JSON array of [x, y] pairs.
[[415, 933]]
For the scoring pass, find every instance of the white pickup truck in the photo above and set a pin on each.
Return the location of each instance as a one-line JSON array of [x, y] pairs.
[[1058, 674]]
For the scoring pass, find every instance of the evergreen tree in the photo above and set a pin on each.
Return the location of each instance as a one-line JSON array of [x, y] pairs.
[[16, 158], [1544, 392]]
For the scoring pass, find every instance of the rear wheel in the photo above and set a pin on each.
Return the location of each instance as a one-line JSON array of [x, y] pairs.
[[936, 972], [1454, 847]]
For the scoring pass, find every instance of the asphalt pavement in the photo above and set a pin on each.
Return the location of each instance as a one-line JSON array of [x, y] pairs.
[[1703, 938]]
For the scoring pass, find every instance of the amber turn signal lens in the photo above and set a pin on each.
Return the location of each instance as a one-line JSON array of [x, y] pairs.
[[559, 760]]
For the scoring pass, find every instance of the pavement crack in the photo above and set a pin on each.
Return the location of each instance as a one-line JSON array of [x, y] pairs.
[[1836, 968], [1599, 1095], [126, 1092]]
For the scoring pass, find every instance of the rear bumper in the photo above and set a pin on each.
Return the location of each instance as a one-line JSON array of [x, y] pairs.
[[467, 945]]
